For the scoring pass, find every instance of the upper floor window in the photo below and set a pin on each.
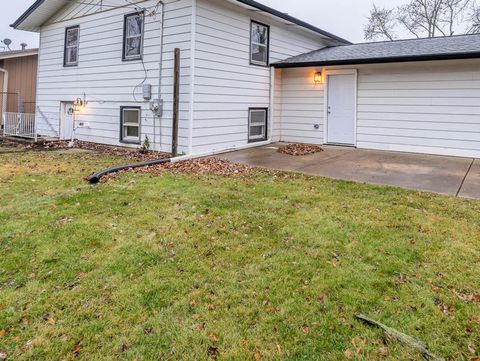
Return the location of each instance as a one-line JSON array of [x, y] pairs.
[[259, 47], [133, 36], [72, 39]]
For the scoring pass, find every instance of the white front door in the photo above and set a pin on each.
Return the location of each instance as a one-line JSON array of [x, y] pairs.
[[66, 120], [341, 109]]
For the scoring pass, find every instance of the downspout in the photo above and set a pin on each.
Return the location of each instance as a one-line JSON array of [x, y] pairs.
[[4, 95], [160, 68], [272, 104], [193, 40]]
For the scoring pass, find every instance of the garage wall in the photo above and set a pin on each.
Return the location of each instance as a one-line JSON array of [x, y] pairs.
[[430, 107], [425, 107]]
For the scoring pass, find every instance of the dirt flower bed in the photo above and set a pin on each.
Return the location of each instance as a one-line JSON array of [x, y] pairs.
[[299, 149], [128, 153]]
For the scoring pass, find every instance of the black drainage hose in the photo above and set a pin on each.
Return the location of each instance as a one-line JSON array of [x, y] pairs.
[[96, 177]]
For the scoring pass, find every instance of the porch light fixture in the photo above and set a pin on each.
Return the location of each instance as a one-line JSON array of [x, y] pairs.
[[317, 78], [79, 104]]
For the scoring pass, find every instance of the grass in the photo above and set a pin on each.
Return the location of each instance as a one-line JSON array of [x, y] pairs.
[[183, 267]]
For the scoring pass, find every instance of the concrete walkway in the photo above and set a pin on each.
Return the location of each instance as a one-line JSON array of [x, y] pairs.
[[437, 174]]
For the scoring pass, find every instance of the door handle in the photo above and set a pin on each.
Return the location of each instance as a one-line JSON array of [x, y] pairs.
[[329, 110]]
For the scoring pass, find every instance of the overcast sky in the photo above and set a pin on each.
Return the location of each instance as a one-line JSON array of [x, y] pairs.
[[345, 18]]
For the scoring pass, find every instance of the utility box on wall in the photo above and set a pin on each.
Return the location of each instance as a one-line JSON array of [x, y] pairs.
[[147, 91]]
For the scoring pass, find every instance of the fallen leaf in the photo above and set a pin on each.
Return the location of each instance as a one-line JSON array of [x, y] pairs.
[[213, 337], [348, 354], [471, 349], [322, 298], [76, 349], [213, 351], [51, 321], [383, 351], [3, 333], [257, 356]]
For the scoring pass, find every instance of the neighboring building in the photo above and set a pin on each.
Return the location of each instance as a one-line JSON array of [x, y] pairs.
[[249, 75], [18, 79]]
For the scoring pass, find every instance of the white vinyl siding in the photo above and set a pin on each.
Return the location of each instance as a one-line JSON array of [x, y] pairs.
[[109, 82], [431, 107], [226, 84], [301, 106], [424, 107]]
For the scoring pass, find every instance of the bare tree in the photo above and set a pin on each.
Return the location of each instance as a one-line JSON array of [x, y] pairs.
[[424, 18], [381, 24]]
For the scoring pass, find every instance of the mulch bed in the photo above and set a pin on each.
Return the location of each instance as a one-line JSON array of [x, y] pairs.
[[203, 166], [299, 149], [127, 153], [213, 166]]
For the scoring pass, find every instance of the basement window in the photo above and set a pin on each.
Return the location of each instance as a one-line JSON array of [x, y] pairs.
[[259, 43], [257, 124], [72, 40], [130, 124], [133, 29]]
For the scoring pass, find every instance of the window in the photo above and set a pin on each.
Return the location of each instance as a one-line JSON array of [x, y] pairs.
[[133, 36], [257, 124], [259, 44], [130, 124], [72, 39]]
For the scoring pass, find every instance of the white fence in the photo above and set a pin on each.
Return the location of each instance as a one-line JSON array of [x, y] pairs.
[[19, 125]]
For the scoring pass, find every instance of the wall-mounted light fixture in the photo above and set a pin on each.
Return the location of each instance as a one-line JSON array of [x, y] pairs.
[[80, 103], [317, 78]]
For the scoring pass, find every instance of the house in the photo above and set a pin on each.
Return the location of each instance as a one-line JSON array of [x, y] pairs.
[[18, 79], [249, 75]]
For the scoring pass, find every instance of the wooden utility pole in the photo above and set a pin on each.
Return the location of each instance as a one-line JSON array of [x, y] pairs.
[[176, 102]]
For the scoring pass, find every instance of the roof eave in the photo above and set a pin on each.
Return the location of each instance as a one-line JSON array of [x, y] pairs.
[[27, 13], [398, 59]]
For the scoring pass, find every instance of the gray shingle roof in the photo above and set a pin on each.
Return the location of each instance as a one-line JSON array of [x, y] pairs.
[[455, 47]]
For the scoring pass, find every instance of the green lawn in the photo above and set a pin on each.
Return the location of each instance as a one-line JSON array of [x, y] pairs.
[[262, 267]]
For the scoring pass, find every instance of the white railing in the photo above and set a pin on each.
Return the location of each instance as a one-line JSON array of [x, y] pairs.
[[19, 125]]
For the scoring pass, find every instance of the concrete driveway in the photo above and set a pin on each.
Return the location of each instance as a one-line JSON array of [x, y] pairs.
[[438, 174]]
